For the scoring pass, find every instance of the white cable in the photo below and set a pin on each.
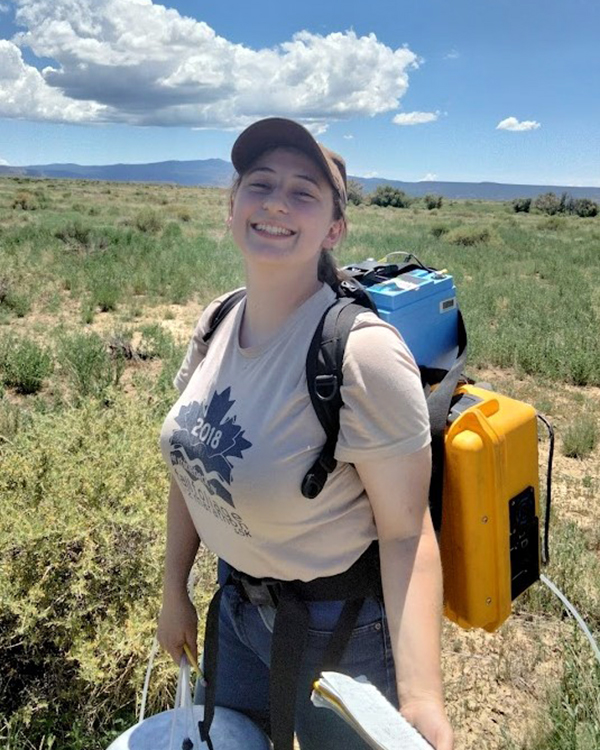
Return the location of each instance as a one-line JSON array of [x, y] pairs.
[[574, 612], [147, 679]]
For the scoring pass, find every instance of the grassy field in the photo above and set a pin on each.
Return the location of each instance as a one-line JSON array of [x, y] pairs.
[[100, 287]]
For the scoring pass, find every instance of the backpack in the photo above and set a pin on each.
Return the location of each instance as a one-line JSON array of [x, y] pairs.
[[324, 370]]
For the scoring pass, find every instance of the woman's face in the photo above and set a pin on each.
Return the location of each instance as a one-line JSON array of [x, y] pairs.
[[283, 210]]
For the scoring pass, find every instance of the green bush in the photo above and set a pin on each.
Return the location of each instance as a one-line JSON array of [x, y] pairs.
[[156, 342], [432, 201], [521, 205], [386, 195], [439, 230], [356, 194], [12, 300], [468, 236], [585, 207], [547, 203], [580, 437], [82, 497], [86, 363], [26, 201], [24, 365], [149, 221]]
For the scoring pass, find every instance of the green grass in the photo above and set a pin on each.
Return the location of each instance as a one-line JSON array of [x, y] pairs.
[[82, 484]]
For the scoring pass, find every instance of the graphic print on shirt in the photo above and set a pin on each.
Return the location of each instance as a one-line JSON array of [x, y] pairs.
[[202, 448]]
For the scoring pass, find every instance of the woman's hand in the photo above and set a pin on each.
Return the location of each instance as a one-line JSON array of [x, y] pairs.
[[178, 624], [429, 718]]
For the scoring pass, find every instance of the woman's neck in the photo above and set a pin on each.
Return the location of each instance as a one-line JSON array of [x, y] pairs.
[[270, 300]]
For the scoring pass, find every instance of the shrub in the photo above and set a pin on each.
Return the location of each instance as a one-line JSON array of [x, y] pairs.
[[468, 236], [149, 221], [521, 205], [547, 203], [432, 201], [24, 365], [156, 342], [552, 224], [86, 363], [356, 194], [386, 195], [438, 230], [26, 201], [580, 437], [585, 207], [11, 300]]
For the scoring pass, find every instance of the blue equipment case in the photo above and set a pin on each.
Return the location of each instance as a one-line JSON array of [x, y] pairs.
[[422, 305]]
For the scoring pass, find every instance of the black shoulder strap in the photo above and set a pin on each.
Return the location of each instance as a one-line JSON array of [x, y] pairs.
[[324, 379], [222, 311], [438, 404]]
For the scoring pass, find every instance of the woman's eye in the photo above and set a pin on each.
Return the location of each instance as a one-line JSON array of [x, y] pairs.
[[304, 195], [259, 185]]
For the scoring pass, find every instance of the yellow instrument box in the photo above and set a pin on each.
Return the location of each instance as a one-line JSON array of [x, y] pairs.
[[490, 540]]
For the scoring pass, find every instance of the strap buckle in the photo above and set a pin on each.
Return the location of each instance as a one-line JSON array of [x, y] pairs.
[[257, 591]]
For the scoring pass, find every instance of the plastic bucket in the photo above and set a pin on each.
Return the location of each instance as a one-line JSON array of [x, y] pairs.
[[230, 730]]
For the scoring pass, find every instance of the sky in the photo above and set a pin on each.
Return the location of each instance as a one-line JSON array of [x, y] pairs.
[[452, 90]]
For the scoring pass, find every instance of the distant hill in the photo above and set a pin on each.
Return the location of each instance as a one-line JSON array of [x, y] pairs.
[[219, 173]]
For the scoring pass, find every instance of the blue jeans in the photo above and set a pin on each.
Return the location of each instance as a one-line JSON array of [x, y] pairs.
[[244, 659]]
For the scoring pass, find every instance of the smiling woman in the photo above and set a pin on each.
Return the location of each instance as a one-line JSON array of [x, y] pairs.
[[351, 579]]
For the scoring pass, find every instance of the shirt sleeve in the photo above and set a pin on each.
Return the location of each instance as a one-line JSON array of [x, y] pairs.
[[384, 411], [197, 348]]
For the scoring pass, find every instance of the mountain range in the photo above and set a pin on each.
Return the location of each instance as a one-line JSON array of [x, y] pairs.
[[219, 173]]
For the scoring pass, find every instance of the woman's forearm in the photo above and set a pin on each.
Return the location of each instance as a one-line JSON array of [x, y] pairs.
[[412, 584], [182, 544]]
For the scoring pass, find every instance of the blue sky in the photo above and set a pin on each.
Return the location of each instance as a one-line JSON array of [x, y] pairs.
[[498, 90]]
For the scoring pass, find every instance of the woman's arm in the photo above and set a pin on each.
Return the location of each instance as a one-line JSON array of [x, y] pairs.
[[412, 585], [178, 622]]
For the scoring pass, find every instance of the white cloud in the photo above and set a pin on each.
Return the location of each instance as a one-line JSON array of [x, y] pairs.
[[23, 92], [511, 123], [144, 64], [348, 137], [4, 8], [4, 163], [429, 177], [415, 118], [368, 175], [452, 55]]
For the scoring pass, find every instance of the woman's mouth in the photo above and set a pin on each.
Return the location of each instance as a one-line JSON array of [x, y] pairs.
[[272, 230]]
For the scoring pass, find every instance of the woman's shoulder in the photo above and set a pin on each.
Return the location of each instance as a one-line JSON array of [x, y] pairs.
[[206, 316], [373, 343]]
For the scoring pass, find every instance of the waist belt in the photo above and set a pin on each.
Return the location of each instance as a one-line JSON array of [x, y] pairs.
[[290, 633]]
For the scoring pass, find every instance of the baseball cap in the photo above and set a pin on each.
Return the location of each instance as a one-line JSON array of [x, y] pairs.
[[274, 132]]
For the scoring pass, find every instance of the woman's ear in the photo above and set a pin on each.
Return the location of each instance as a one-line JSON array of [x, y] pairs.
[[228, 221], [334, 234]]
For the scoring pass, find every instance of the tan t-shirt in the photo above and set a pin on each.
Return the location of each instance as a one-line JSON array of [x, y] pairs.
[[243, 433]]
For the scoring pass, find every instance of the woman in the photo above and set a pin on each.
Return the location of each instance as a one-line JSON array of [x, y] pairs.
[[243, 433]]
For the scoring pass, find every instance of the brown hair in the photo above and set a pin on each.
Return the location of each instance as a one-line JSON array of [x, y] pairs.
[[328, 270]]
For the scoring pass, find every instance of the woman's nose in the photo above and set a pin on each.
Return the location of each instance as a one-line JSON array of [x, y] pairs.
[[275, 201]]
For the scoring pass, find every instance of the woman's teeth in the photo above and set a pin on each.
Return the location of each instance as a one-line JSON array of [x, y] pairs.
[[269, 229]]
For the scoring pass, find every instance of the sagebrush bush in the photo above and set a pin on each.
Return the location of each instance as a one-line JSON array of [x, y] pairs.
[[149, 221], [11, 299], [521, 205], [585, 207], [156, 342], [468, 236], [82, 504], [24, 365], [547, 203], [580, 437], [432, 201], [386, 195], [26, 201], [356, 193], [438, 230], [86, 363]]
